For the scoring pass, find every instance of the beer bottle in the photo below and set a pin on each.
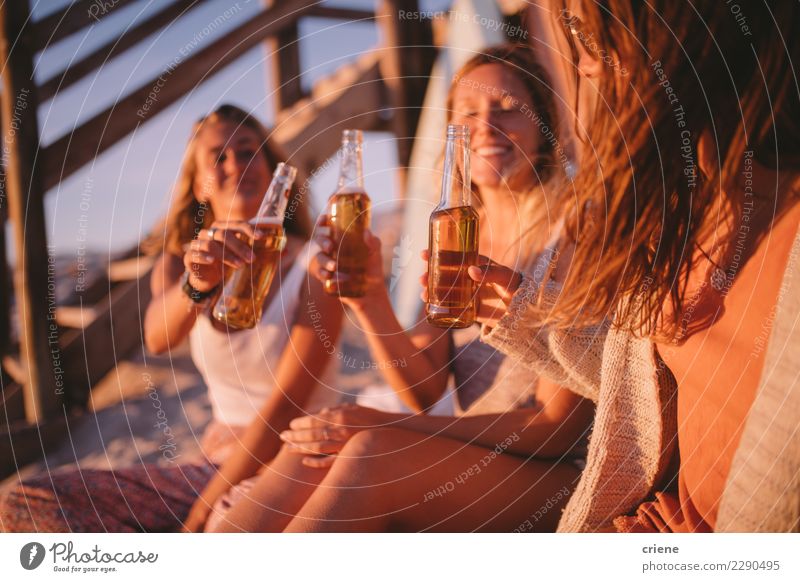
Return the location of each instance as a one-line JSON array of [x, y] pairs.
[[453, 240], [242, 299], [349, 212]]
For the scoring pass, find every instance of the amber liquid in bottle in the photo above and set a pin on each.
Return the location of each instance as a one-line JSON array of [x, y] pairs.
[[349, 218], [241, 302], [244, 289], [349, 212], [453, 240], [453, 248]]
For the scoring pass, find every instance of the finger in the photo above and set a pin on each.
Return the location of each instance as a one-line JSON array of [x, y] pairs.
[[244, 227], [325, 262], [425, 255], [310, 435], [231, 244], [321, 462], [325, 243], [216, 250]]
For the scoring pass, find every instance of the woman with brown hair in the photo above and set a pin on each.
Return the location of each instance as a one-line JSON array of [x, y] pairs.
[[509, 459], [678, 311], [258, 379]]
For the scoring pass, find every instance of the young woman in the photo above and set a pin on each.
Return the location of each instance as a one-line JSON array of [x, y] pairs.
[[258, 379], [509, 460], [678, 311]]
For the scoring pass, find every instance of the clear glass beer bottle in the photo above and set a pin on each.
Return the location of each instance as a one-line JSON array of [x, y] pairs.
[[245, 288], [453, 240], [349, 213]]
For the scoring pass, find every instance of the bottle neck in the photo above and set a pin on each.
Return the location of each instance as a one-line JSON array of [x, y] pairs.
[[351, 173], [277, 197], [456, 183]]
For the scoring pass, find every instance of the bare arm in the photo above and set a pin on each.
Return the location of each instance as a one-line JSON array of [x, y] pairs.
[[547, 431], [170, 315], [302, 363], [415, 364]]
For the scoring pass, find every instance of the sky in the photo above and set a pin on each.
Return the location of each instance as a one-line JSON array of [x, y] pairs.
[[111, 203]]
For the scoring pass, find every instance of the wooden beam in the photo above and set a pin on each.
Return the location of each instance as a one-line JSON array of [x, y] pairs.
[[102, 55], [284, 64], [6, 282], [69, 153], [406, 61], [342, 13], [353, 97], [77, 15], [26, 210]]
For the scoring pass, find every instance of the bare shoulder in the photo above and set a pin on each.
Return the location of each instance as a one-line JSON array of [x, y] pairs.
[[167, 271]]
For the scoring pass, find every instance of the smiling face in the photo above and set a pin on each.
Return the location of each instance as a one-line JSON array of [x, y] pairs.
[[496, 106], [232, 174]]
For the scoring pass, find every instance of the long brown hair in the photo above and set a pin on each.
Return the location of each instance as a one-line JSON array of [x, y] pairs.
[[639, 208], [188, 216]]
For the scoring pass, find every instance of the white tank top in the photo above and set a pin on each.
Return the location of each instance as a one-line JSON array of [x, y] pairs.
[[239, 367]]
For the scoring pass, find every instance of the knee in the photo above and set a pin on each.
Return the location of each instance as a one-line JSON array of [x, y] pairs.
[[372, 445]]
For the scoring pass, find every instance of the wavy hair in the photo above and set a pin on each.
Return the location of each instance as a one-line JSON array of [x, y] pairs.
[[638, 210]]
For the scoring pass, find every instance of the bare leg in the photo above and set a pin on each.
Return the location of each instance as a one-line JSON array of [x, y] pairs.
[[396, 480], [281, 490]]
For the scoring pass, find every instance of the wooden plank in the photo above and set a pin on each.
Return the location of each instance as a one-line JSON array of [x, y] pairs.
[[285, 65], [5, 281], [342, 13], [108, 51], [77, 15], [69, 153], [90, 353], [311, 131], [406, 61], [26, 210]]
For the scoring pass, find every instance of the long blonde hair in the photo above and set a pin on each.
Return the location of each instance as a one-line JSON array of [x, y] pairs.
[[188, 216]]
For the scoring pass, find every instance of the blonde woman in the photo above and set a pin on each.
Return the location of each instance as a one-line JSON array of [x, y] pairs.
[[258, 379]]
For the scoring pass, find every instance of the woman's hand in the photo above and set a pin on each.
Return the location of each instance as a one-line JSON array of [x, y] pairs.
[[222, 244], [324, 265], [324, 434], [496, 286]]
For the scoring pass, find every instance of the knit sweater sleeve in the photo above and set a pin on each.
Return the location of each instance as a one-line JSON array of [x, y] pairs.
[[571, 358]]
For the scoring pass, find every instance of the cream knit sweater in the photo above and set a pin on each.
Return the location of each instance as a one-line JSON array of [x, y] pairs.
[[635, 430]]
